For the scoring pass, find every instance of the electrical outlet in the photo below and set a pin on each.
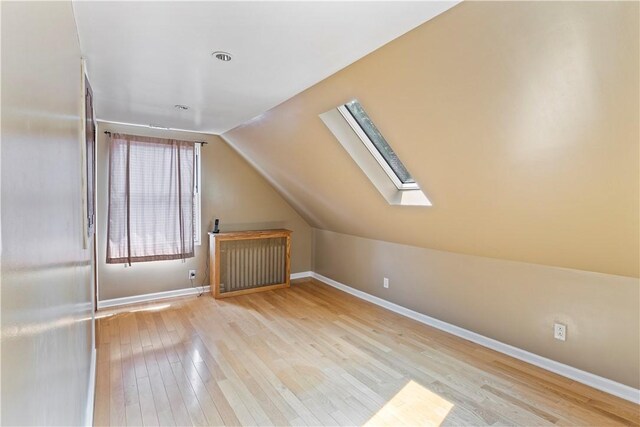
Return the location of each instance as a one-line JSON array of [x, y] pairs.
[[192, 274], [385, 282], [560, 331]]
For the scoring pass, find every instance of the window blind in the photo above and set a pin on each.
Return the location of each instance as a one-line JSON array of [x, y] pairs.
[[151, 199]]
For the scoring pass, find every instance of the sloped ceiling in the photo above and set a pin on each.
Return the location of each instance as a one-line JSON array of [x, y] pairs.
[[144, 57], [518, 119]]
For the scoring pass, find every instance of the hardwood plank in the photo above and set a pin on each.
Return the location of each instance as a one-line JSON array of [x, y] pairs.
[[312, 355], [147, 404], [103, 380], [134, 416], [116, 387]]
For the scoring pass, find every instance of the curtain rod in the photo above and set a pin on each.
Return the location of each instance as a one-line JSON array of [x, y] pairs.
[[195, 142]]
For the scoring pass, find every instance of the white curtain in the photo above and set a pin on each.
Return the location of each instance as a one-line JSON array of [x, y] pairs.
[[151, 190]]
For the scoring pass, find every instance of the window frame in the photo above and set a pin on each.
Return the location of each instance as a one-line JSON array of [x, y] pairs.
[[197, 197], [146, 200], [353, 123]]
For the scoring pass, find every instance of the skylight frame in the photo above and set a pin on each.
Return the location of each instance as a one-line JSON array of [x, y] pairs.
[[366, 141]]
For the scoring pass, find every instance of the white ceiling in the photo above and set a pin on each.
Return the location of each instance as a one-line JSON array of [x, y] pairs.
[[145, 57]]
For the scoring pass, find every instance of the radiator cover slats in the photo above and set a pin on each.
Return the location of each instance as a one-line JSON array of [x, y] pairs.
[[247, 264], [244, 262]]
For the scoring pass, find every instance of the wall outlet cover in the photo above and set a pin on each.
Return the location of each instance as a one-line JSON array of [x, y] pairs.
[[560, 331]]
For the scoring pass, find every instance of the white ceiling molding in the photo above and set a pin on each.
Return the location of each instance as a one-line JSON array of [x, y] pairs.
[[146, 57]]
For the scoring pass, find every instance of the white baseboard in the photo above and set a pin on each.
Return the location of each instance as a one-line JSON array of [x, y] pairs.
[[172, 294], [587, 378], [151, 297], [608, 386], [91, 392], [301, 275]]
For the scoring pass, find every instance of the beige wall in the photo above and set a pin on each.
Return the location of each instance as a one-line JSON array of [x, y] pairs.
[[45, 272], [231, 190], [513, 302], [519, 120]]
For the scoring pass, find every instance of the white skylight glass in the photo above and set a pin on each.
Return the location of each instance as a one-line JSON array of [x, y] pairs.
[[359, 120]]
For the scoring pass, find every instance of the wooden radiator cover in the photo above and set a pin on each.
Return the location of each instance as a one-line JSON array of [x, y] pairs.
[[243, 262]]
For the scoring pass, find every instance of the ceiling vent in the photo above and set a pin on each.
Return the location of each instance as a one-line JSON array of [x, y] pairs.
[[222, 56]]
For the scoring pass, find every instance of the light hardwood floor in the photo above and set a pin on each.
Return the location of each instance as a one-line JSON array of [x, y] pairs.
[[313, 355]]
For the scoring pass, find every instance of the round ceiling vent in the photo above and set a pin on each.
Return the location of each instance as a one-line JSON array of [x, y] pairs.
[[222, 56]]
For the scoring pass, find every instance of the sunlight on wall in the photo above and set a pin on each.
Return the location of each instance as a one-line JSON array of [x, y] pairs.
[[412, 405], [34, 329], [557, 94]]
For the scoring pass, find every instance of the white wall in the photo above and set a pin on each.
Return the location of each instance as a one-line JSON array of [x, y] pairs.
[[45, 271]]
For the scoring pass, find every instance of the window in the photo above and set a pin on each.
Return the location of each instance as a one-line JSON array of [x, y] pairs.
[[154, 199], [367, 131], [359, 136]]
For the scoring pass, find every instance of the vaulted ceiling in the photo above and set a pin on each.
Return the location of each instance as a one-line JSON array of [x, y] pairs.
[[145, 57], [518, 119]]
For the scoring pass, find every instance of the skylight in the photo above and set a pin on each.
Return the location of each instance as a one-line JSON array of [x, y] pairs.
[[363, 126], [355, 131]]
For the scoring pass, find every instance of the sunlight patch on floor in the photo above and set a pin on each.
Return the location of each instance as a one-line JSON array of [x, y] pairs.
[[155, 307], [109, 312], [413, 405]]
